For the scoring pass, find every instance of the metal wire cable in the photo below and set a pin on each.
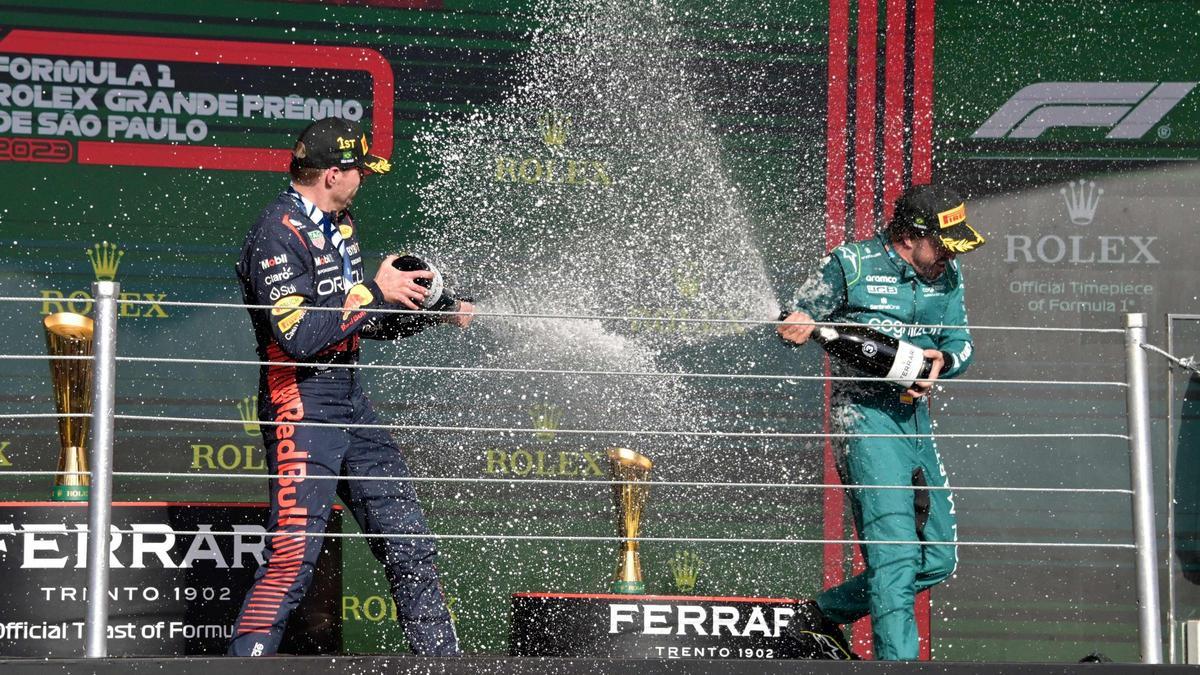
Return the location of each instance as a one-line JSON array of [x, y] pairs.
[[584, 317], [47, 357], [623, 432], [568, 537], [1187, 363], [23, 473], [606, 373], [13, 416], [598, 483], [601, 432]]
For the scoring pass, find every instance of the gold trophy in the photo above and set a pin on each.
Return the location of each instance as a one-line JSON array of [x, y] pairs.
[[629, 499], [69, 334]]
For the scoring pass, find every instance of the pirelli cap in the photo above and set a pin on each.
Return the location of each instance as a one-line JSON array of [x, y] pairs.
[[937, 210], [336, 142]]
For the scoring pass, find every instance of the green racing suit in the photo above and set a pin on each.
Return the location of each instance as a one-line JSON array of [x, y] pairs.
[[867, 282]]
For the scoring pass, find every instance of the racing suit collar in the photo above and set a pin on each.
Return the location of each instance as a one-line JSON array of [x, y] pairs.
[[906, 271], [310, 209]]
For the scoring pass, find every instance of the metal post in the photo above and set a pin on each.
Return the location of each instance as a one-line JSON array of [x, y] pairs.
[[1172, 570], [1138, 406], [100, 457]]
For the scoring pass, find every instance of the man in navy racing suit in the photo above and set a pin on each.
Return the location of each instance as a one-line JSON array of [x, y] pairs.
[[302, 254], [905, 282]]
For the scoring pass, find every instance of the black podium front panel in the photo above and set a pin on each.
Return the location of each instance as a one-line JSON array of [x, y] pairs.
[[170, 594], [658, 626]]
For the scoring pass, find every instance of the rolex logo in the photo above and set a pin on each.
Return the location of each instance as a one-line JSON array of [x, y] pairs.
[[1082, 197], [687, 281], [546, 419], [554, 128], [105, 259], [248, 411], [685, 568]]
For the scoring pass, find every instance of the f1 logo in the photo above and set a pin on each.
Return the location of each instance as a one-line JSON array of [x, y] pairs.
[[1128, 109]]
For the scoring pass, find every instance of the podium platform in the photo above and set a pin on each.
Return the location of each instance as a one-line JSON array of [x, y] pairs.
[[170, 594], [610, 626]]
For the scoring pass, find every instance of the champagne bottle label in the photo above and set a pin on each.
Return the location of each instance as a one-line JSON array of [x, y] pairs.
[[907, 367]]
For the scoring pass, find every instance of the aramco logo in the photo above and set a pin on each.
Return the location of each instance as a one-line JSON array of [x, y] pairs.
[[553, 164], [105, 259]]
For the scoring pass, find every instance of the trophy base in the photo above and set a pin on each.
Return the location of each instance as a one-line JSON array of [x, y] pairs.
[[69, 493], [629, 587]]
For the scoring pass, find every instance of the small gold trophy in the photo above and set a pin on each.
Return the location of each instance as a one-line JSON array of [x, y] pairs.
[[69, 334], [629, 499]]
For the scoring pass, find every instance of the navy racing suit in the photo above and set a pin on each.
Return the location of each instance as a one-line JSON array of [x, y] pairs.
[[295, 258]]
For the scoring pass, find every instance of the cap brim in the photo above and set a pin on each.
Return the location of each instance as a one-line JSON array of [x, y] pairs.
[[375, 164], [961, 238]]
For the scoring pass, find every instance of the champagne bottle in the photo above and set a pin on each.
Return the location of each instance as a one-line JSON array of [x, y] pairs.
[[874, 353], [439, 297]]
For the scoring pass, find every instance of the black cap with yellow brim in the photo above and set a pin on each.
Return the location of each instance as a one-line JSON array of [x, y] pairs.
[[937, 210], [336, 142]]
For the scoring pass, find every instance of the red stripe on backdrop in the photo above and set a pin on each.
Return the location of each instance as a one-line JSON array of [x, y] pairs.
[[835, 234], [922, 172], [893, 102], [387, 4], [864, 186], [835, 123], [923, 608], [864, 120], [922, 141], [183, 156], [835, 500], [864, 199], [860, 633]]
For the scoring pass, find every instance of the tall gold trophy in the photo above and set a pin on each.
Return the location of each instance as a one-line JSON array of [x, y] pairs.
[[629, 499], [69, 334]]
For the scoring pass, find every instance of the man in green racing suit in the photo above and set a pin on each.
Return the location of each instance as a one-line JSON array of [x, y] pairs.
[[904, 282]]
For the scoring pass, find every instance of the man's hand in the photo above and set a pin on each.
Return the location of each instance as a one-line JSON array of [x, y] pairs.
[[796, 328], [922, 387], [401, 287], [463, 318]]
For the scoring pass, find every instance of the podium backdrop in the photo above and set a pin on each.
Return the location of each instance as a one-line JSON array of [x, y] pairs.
[[660, 161]]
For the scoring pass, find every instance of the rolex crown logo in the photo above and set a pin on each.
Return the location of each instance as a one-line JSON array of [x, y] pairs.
[[248, 411], [1082, 197], [105, 259], [554, 128], [687, 281], [685, 568], [546, 419]]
